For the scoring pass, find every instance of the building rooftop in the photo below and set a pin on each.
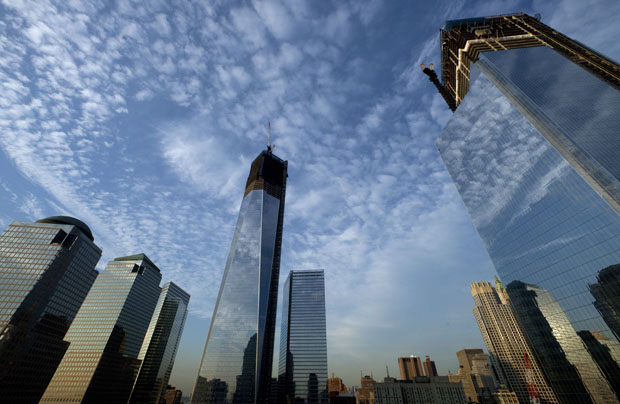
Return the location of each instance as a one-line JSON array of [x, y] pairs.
[[69, 221], [138, 257]]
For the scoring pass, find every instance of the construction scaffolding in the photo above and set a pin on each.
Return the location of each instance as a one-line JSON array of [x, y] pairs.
[[463, 40]]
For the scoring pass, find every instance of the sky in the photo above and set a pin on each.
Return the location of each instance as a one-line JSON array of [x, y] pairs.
[[142, 118]]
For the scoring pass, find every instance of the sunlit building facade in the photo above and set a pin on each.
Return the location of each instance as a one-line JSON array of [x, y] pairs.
[[101, 363], [303, 339], [534, 151], [237, 360], [160, 345], [46, 270]]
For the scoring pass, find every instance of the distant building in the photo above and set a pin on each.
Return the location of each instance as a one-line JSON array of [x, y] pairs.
[[474, 374], [410, 367], [422, 389], [429, 367], [335, 385], [46, 270], [159, 347], [509, 352], [101, 363], [303, 339], [172, 395], [366, 393]]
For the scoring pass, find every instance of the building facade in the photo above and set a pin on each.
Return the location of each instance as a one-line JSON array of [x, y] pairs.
[[430, 369], [421, 390], [303, 339], [474, 374], [410, 367], [101, 363], [507, 345], [533, 150], [46, 270], [237, 360], [160, 345]]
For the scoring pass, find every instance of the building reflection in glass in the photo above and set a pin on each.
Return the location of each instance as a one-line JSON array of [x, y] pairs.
[[303, 339], [244, 316], [534, 153], [606, 293], [569, 367]]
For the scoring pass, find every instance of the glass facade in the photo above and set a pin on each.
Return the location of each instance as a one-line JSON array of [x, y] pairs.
[[534, 151], [160, 345], [101, 363], [303, 339], [46, 270], [237, 360]]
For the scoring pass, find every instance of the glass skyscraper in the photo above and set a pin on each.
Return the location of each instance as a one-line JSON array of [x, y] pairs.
[[303, 339], [160, 345], [46, 270], [237, 360], [534, 151], [101, 363]]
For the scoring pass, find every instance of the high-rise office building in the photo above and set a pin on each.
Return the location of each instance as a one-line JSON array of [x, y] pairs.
[[410, 367], [238, 354], [46, 270], [366, 393], [101, 362], [509, 351], [160, 345], [303, 339], [533, 149], [430, 369]]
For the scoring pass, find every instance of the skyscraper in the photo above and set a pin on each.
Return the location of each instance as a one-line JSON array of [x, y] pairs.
[[410, 367], [46, 270], [238, 354], [429, 367], [101, 362], [160, 345], [533, 149], [303, 343], [509, 352]]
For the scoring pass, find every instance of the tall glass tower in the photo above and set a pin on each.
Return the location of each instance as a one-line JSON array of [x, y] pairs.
[[237, 360], [160, 345], [101, 363], [303, 339], [534, 151], [46, 270]]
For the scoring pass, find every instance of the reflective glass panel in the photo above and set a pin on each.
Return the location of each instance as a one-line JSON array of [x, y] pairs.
[[552, 238]]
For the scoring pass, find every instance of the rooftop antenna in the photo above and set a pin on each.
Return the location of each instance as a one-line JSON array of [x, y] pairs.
[[387, 370]]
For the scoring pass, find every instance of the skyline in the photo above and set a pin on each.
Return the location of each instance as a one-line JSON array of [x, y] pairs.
[[338, 225]]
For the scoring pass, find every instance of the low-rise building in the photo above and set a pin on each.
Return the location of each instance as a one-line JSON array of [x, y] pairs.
[[420, 390]]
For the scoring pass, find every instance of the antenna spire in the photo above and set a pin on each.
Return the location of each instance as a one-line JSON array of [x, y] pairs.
[[269, 145]]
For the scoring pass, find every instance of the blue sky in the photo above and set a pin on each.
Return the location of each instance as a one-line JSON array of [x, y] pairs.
[[141, 118]]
